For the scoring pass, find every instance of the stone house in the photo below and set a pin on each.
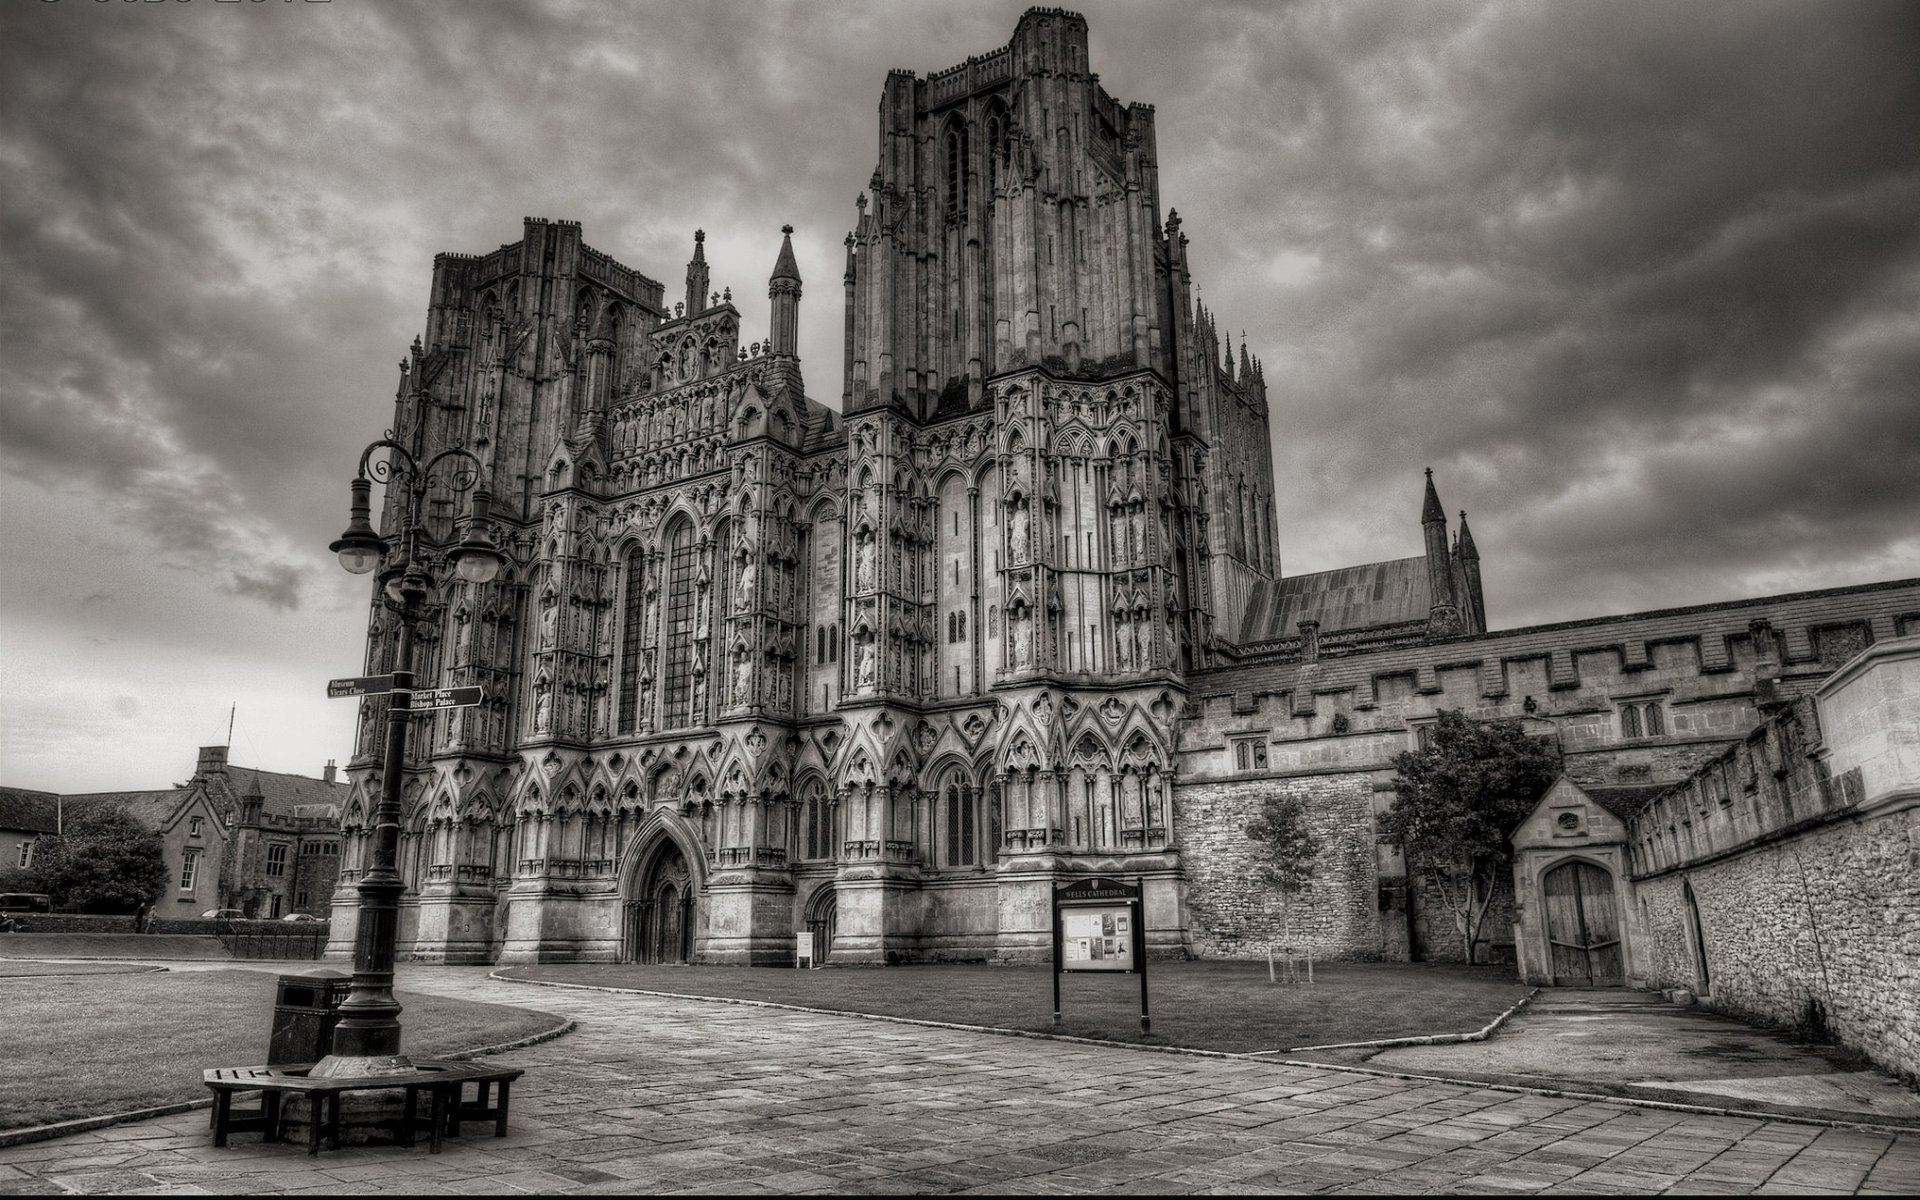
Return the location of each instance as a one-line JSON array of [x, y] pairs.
[[262, 842], [25, 817]]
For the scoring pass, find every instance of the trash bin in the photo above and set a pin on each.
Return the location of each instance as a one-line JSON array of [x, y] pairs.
[[305, 1010]]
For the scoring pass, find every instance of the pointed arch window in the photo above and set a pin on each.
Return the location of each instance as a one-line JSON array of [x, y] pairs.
[[956, 169], [631, 640], [962, 840], [682, 567]]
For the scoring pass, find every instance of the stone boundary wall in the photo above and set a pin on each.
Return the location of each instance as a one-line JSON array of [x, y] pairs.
[[1228, 910], [1828, 915], [1710, 639], [108, 923]]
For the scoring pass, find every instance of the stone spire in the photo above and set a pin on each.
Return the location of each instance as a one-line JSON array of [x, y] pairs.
[[697, 278], [784, 290]]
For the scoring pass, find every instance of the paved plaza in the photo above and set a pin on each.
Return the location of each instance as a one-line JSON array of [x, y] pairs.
[[657, 1095]]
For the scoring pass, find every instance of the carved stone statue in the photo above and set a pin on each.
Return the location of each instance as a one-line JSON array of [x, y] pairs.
[[743, 595], [863, 566], [866, 665], [549, 624], [742, 681], [1017, 533], [543, 711], [1022, 622]]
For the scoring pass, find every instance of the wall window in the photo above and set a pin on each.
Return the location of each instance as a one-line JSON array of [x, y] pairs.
[[189, 867], [194, 826], [300, 901], [26, 855], [1644, 718], [961, 846], [277, 860], [682, 566], [273, 909], [1250, 754], [632, 639]]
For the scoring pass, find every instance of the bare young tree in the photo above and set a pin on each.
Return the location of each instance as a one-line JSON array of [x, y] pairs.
[[1284, 850]]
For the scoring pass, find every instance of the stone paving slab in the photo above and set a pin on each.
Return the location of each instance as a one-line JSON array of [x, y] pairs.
[[664, 1096]]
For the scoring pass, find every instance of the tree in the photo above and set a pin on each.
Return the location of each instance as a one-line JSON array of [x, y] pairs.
[[1460, 797], [104, 861], [1284, 849]]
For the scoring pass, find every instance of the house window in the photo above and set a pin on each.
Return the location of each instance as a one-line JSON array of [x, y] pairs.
[[277, 860], [1250, 754], [300, 901], [1643, 719], [273, 910], [1423, 736], [26, 855], [189, 866], [194, 826]]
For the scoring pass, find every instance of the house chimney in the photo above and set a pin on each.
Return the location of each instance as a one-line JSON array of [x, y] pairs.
[[330, 772], [213, 761]]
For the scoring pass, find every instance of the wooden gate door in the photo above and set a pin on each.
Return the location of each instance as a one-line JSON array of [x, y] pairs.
[[1583, 927]]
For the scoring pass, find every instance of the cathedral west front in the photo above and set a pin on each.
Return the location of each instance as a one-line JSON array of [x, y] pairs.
[[1007, 613]]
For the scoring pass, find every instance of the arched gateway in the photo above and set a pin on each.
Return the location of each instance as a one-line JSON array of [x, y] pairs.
[[660, 907]]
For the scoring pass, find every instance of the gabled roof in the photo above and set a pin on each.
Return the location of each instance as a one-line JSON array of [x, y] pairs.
[[1382, 593], [151, 810], [281, 795], [28, 811]]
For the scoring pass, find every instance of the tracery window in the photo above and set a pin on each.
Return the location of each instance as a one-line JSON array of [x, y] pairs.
[[682, 567], [1630, 721], [956, 170], [962, 849], [816, 818], [631, 641]]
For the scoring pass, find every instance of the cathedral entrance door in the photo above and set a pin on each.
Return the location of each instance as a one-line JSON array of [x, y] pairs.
[[822, 917], [660, 915], [1583, 928]]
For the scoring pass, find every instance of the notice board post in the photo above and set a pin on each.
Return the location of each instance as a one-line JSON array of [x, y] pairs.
[[1099, 925]]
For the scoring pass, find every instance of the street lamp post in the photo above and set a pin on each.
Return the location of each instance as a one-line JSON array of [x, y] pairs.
[[366, 1041]]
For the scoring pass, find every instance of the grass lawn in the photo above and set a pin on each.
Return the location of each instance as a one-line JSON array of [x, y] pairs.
[[1208, 1005], [79, 1045]]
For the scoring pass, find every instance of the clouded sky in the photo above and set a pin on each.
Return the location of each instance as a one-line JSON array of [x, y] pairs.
[[1641, 282]]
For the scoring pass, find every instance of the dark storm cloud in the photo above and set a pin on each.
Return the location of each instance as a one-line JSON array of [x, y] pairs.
[[1638, 279]]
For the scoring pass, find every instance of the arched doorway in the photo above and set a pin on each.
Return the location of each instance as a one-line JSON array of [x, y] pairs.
[[823, 914], [1696, 941], [1583, 925], [660, 908]]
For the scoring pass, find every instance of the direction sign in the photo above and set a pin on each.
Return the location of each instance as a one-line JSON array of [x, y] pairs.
[[453, 697], [359, 685]]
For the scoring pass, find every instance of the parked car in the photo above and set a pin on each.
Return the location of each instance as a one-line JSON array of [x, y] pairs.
[[224, 914], [303, 918], [25, 902]]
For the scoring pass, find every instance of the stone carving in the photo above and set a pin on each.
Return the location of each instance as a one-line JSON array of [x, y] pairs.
[[1022, 621], [866, 665], [549, 623], [543, 711], [742, 681], [863, 571], [1017, 532], [743, 595]]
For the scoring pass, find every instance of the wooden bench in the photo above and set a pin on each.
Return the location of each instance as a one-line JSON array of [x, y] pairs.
[[442, 1081]]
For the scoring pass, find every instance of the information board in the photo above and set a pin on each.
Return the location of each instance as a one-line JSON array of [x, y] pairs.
[[1096, 939], [1099, 925]]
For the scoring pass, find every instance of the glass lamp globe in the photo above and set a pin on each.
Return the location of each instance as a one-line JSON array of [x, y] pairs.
[[478, 566], [359, 559]]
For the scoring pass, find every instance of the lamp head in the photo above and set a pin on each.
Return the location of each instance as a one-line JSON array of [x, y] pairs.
[[360, 548], [477, 559]]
